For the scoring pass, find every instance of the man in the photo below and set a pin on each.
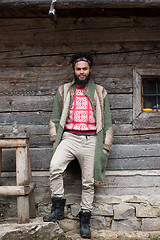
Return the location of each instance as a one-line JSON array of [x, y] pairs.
[[80, 128]]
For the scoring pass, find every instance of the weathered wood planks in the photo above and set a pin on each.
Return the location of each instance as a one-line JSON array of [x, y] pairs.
[[118, 183], [86, 4], [81, 8], [122, 156], [35, 60], [45, 103]]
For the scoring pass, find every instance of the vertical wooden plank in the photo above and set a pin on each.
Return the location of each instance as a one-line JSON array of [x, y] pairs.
[[22, 178], [0, 160], [137, 96], [23, 209], [32, 208]]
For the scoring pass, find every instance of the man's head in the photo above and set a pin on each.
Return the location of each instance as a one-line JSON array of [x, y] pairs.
[[82, 64]]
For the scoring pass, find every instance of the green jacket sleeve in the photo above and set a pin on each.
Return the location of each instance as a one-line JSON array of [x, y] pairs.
[[108, 128], [56, 116]]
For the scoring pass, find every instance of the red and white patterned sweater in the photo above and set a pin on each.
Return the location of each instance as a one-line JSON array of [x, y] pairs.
[[81, 117]]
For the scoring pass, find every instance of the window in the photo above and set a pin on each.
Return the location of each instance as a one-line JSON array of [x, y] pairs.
[[146, 98], [151, 94]]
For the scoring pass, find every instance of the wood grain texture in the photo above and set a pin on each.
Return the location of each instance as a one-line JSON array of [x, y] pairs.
[[118, 183], [35, 61], [81, 8]]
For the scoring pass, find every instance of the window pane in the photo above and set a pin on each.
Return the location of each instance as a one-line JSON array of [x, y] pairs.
[[149, 102], [149, 87], [159, 87]]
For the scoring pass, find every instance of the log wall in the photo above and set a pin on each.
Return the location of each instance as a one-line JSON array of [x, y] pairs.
[[35, 61]]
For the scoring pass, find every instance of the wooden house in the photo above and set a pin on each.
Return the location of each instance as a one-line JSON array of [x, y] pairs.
[[124, 38]]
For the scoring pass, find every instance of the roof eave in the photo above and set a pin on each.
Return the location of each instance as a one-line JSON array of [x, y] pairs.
[[40, 8]]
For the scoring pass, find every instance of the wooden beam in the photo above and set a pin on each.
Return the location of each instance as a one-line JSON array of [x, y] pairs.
[[106, 3], [17, 190], [61, 4], [76, 8], [12, 143], [13, 140], [12, 191]]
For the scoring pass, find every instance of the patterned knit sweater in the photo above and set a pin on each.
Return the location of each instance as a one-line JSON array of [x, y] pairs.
[[81, 117]]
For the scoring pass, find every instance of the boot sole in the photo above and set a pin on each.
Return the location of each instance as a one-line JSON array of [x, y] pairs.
[[85, 236], [53, 220]]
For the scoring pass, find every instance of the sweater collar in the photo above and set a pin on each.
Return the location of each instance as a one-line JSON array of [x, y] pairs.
[[89, 89]]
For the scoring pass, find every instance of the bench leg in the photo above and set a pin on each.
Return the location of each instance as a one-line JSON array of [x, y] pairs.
[[0, 160], [22, 178], [23, 209], [32, 208]]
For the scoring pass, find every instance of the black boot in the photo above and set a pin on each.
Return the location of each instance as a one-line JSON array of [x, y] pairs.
[[57, 210], [84, 218]]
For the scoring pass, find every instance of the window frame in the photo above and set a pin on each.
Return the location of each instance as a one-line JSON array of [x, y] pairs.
[[143, 120]]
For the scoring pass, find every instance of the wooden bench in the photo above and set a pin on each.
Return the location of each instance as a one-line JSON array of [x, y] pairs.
[[24, 188]]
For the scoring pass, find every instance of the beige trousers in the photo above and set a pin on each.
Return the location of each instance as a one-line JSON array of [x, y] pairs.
[[71, 147]]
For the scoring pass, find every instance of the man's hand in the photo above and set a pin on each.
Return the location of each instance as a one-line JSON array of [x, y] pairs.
[[54, 143], [105, 151]]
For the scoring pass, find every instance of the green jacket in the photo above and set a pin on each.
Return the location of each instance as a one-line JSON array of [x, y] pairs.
[[99, 101]]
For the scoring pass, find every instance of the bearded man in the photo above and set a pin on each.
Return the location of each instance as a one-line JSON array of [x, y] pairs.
[[80, 128]]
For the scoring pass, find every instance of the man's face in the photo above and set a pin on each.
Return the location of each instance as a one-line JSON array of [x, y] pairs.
[[82, 72]]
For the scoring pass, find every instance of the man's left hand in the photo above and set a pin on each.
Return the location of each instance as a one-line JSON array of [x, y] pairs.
[[105, 151]]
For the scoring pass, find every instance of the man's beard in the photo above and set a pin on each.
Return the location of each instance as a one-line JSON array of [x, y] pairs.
[[81, 82]]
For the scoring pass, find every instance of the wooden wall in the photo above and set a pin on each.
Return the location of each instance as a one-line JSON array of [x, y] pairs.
[[34, 61]]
